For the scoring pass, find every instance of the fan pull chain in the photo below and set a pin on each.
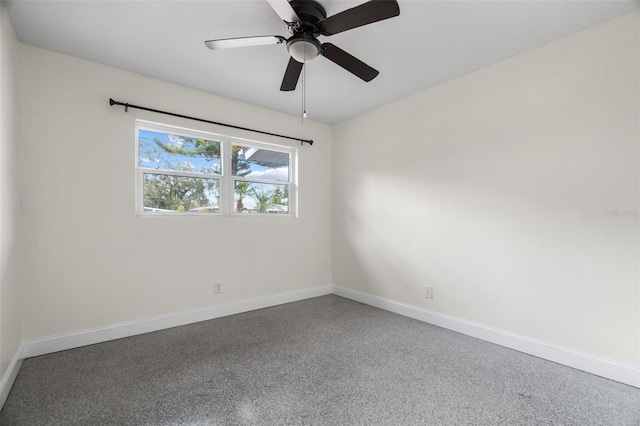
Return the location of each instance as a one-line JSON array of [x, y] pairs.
[[304, 88], [304, 93]]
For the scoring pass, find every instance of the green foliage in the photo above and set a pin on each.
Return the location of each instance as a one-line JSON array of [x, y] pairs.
[[264, 199], [193, 148], [267, 200], [243, 189], [239, 164], [178, 193], [176, 156], [279, 195]]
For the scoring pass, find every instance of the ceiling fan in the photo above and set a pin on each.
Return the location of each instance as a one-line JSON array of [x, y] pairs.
[[306, 20]]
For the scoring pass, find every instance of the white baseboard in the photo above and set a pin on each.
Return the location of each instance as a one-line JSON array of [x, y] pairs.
[[103, 334], [10, 375], [609, 369], [624, 373]]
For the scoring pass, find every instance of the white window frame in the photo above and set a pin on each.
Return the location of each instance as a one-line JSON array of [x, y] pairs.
[[226, 180]]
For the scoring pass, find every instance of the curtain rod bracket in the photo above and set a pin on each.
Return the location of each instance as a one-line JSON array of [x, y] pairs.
[[127, 106]]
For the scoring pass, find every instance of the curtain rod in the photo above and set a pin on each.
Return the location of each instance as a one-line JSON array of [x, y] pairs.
[[127, 106]]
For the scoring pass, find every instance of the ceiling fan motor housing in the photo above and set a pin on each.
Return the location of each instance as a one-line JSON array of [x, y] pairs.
[[303, 46], [310, 13]]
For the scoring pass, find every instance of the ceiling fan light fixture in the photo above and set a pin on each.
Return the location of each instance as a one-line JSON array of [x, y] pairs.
[[304, 48]]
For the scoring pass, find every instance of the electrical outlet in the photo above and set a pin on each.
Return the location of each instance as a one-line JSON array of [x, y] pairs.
[[428, 292], [217, 288]]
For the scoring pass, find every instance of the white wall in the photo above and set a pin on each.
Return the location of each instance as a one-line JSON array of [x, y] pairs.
[[493, 188], [90, 261], [10, 219]]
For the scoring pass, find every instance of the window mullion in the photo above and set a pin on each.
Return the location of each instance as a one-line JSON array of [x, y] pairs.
[[228, 192], [139, 190]]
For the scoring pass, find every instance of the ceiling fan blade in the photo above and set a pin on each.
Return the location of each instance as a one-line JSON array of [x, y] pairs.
[[350, 63], [291, 75], [284, 11], [229, 43], [367, 13]]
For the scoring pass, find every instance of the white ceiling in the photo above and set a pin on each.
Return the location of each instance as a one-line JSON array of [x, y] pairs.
[[429, 43]]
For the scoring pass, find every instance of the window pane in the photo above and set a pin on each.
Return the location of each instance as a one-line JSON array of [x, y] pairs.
[[259, 163], [180, 194], [251, 197], [165, 151]]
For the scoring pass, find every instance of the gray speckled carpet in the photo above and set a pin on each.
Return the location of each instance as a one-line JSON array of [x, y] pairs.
[[322, 361]]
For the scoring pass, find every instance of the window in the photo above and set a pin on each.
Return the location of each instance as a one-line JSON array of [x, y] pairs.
[[182, 171]]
